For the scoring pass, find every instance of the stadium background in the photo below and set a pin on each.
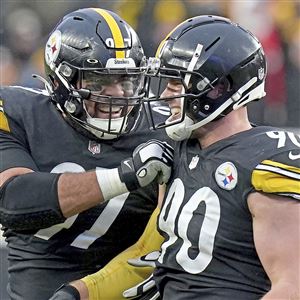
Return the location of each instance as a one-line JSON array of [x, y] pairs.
[[25, 24]]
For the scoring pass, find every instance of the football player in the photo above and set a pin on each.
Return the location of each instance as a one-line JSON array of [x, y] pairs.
[[71, 196], [231, 215]]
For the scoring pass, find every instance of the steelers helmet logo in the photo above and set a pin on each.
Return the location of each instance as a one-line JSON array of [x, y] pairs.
[[226, 176], [52, 48]]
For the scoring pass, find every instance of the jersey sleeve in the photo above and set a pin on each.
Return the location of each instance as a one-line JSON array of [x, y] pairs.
[[118, 273], [13, 147], [279, 175]]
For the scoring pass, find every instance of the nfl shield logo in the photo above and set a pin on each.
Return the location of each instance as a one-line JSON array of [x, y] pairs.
[[194, 162], [94, 147]]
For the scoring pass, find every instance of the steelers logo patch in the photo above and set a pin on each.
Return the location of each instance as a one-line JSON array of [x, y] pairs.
[[53, 47], [226, 176]]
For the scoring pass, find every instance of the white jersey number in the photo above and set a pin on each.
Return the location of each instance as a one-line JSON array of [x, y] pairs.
[[168, 222], [100, 226]]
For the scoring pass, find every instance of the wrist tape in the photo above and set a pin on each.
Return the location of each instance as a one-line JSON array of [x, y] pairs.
[[128, 175], [110, 183]]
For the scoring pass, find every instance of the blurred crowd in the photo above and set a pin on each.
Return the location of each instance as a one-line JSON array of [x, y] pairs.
[[25, 25]]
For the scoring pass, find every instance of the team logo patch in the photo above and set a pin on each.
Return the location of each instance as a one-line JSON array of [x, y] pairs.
[[53, 47], [94, 147], [194, 162], [226, 176]]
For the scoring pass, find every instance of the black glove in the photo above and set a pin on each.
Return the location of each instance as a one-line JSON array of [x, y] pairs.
[[150, 161], [66, 292]]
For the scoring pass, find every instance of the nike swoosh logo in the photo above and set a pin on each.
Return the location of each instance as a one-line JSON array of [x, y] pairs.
[[126, 162], [293, 156]]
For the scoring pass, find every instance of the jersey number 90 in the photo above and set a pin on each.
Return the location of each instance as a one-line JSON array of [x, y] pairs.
[[177, 228]]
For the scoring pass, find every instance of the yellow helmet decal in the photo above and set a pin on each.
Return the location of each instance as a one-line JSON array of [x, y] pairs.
[[115, 31]]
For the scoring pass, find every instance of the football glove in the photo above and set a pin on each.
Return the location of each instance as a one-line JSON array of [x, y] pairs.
[[147, 289], [66, 292], [150, 161]]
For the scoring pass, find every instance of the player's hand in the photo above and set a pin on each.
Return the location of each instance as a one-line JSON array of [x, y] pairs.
[[66, 292], [150, 161], [145, 290]]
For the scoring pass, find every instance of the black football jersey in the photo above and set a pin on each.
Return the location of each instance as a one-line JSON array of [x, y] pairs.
[[34, 135], [209, 252]]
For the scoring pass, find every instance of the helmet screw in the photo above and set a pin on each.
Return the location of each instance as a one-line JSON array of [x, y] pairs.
[[70, 107], [92, 61], [206, 107]]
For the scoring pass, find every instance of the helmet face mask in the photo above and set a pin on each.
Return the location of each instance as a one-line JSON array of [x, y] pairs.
[[94, 59], [220, 65]]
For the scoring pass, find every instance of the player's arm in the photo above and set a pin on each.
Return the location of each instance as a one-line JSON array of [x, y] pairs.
[[33, 200], [276, 229], [117, 276], [275, 208]]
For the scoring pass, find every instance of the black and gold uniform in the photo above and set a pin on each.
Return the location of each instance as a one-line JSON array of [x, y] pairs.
[[204, 255], [35, 135]]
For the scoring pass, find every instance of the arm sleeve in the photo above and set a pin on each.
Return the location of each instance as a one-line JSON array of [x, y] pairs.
[[117, 276], [30, 201]]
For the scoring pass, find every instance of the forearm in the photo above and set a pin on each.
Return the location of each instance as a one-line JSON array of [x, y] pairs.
[[81, 191], [78, 192], [38, 200]]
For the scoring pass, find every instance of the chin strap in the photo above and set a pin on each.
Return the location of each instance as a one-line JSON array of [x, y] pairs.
[[180, 131]]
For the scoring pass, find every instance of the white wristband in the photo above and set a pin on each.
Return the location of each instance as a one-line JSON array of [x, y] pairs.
[[110, 183]]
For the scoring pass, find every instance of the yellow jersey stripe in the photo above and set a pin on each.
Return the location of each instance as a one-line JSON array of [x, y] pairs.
[[270, 182], [115, 31], [3, 122]]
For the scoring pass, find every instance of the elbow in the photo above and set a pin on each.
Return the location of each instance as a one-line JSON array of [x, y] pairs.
[[29, 221], [9, 221], [29, 202]]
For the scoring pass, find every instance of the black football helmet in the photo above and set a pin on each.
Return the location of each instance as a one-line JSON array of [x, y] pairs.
[[88, 49], [220, 65]]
